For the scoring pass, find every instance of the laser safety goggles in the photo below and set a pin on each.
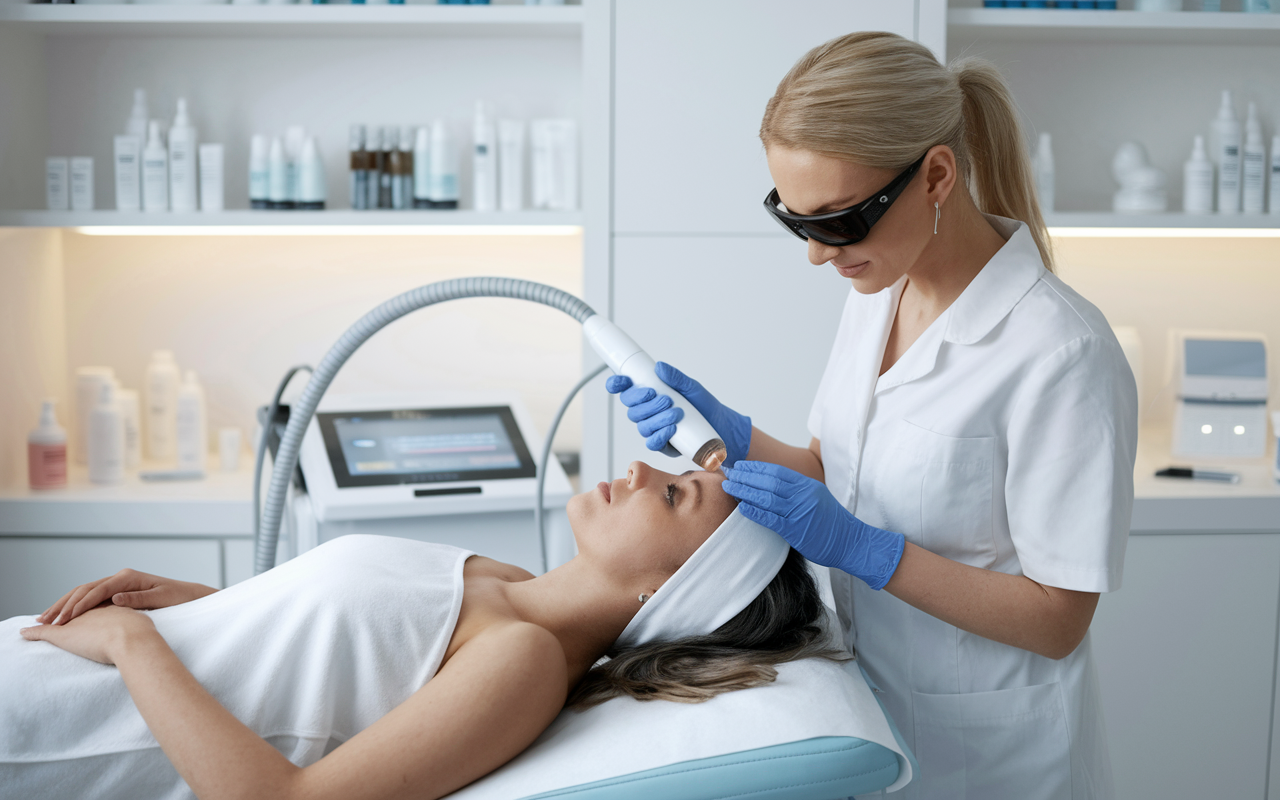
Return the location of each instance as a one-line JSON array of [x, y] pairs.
[[848, 226]]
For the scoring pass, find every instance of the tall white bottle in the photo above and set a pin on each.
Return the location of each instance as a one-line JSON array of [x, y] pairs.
[[163, 380], [1045, 173], [1254, 165], [193, 426], [1224, 141], [444, 168], [137, 122], [106, 438], [1275, 175], [422, 168], [155, 171], [484, 161], [1197, 181], [183, 169]]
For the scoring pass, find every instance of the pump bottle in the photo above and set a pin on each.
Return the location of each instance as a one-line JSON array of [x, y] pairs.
[[106, 438], [155, 171], [182, 161], [1254, 162], [137, 122], [1225, 140], [193, 427], [47, 451], [1197, 181]]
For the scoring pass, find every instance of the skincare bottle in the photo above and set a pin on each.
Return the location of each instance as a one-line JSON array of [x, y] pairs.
[[444, 168], [359, 168], [155, 171], [1257, 6], [1274, 199], [376, 164], [422, 169], [162, 405], [136, 125], [554, 145], [82, 184], [511, 164], [389, 150], [106, 438], [89, 381], [182, 161], [294, 137], [47, 452], [1254, 163], [311, 186], [126, 152], [278, 177], [1045, 173], [1197, 181], [212, 193], [406, 166], [484, 172], [127, 400], [259, 173], [56, 176], [395, 170], [1225, 150], [193, 433]]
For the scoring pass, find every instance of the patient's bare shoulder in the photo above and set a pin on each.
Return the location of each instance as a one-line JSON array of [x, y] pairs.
[[481, 567]]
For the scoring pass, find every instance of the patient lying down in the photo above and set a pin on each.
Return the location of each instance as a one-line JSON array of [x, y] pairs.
[[374, 667]]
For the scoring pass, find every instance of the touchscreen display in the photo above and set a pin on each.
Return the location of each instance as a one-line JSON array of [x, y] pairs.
[[1225, 358], [374, 448]]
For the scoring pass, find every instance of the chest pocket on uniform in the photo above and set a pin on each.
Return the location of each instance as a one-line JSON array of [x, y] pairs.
[[943, 492]]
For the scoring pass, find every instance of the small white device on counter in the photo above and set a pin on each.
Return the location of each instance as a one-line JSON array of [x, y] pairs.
[[1222, 402], [454, 468]]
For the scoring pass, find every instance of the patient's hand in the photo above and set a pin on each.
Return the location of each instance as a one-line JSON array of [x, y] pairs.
[[128, 588]]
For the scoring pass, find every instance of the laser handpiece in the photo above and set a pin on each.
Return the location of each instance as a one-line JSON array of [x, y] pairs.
[[694, 436]]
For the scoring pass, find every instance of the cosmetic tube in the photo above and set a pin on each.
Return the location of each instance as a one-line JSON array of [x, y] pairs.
[[555, 164], [212, 193], [82, 184], [126, 151], [1197, 181], [56, 177], [422, 168], [106, 438], [311, 185], [259, 173], [359, 168], [155, 171], [444, 168], [511, 164], [278, 177], [484, 172], [47, 452], [182, 161]]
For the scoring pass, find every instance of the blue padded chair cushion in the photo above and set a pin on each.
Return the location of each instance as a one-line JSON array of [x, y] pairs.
[[822, 768]]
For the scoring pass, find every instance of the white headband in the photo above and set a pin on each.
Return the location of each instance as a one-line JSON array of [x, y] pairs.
[[720, 579]]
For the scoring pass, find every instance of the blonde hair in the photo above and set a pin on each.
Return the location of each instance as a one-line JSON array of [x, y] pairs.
[[880, 100]]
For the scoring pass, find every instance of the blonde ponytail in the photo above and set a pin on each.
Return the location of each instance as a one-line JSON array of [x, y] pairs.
[[877, 99]]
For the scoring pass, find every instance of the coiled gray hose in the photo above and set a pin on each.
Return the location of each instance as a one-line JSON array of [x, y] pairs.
[[301, 411]]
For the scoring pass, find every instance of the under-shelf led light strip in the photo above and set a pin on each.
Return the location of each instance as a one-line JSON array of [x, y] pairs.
[[329, 230], [1060, 232]]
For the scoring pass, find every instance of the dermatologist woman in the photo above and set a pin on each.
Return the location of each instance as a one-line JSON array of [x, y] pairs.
[[970, 477]]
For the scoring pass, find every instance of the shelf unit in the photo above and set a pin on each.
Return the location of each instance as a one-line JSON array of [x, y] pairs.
[[336, 222], [1171, 224], [1172, 27], [294, 20]]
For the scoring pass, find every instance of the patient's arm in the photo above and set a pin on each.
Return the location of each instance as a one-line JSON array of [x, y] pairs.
[[488, 702], [128, 588]]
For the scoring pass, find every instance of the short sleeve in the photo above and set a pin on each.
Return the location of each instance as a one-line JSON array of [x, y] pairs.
[[1072, 442]]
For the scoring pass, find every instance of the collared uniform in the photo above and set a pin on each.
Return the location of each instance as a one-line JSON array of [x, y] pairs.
[[1004, 438]]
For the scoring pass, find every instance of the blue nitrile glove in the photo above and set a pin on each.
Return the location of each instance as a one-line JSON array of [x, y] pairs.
[[806, 514], [656, 418]]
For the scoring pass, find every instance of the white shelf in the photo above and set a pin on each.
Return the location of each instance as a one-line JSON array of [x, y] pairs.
[[294, 20], [337, 222], [1188, 27], [1171, 224]]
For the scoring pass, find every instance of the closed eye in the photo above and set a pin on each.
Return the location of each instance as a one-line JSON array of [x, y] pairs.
[[671, 495]]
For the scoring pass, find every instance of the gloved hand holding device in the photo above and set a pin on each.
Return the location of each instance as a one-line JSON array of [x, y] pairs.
[[805, 513], [656, 419]]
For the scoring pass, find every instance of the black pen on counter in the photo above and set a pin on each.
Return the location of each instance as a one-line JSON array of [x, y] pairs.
[[1198, 474]]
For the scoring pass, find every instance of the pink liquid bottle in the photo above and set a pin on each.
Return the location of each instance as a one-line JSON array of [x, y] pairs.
[[47, 452]]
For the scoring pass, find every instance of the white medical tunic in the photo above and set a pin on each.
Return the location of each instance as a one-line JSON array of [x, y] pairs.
[[1004, 438]]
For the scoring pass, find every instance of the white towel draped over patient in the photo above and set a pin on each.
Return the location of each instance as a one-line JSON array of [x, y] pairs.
[[307, 655]]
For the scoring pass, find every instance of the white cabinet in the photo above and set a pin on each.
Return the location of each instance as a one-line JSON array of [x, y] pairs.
[[691, 83], [1186, 657], [36, 571]]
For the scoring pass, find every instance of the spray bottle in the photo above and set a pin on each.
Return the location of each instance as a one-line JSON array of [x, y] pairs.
[[182, 161], [1254, 161], [1224, 139]]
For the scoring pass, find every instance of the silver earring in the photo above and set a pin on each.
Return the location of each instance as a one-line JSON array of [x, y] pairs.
[[937, 212], [643, 598]]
